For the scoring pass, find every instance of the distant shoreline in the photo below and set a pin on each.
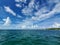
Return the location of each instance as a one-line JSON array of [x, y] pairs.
[[34, 29], [52, 29]]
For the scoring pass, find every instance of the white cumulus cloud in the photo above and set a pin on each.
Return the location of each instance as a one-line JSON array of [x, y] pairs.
[[7, 21], [56, 25], [9, 10]]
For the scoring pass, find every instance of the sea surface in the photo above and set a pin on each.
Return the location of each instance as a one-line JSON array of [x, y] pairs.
[[29, 37]]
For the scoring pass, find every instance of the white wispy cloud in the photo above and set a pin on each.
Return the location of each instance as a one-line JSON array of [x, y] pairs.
[[19, 16], [57, 8], [27, 11], [40, 15], [27, 25], [31, 4], [54, 1], [37, 6], [7, 21], [9, 10], [20, 1], [18, 5]]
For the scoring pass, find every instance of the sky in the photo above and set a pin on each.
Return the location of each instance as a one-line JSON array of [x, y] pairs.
[[29, 14]]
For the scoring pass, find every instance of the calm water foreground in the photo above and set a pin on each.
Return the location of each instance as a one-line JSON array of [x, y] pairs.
[[29, 37]]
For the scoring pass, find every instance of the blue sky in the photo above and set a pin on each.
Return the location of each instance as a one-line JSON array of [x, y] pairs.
[[29, 14]]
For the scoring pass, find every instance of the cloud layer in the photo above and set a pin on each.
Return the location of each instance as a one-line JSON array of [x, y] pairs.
[[34, 13]]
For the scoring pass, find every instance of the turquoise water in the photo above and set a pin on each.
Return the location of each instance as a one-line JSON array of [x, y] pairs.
[[29, 37]]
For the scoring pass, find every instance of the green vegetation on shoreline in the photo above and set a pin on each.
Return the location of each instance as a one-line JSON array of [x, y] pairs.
[[53, 29]]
